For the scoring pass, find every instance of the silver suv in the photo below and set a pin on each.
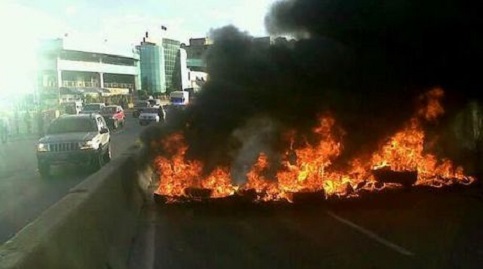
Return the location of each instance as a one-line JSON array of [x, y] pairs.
[[75, 139]]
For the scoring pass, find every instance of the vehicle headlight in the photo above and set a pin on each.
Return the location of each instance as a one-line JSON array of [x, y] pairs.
[[41, 147], [88, 145]]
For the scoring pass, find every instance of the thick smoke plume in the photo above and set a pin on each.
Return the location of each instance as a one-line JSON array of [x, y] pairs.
[[365, 62], [413, 43]]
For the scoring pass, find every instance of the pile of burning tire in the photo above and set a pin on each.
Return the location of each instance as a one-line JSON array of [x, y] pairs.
[[402, 180]]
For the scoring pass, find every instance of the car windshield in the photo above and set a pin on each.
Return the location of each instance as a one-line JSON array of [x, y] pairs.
[[177, 99], [72, 125], [92, 107], [109, 110]]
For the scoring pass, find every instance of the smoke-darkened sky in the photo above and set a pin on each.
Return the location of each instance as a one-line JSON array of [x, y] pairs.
[[422, 42], [365, 62]]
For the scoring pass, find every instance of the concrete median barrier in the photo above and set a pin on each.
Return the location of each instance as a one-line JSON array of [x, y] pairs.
[[91, 227]]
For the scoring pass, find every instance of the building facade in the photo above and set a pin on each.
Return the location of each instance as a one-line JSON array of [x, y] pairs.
[[183, 58], [153, 78], [172, 64], [196, 51], [196, 65], [65, 66], [161, 64]]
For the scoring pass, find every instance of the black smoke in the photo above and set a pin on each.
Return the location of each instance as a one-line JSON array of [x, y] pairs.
[[365, 62], [418, 43]]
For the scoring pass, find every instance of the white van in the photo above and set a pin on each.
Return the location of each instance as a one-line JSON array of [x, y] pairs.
[[179, 98]]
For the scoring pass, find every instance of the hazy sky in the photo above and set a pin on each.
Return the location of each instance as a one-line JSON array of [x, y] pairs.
[[127, 20]]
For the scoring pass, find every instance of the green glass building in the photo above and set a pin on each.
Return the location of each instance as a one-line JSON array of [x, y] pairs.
[[171, 63], [160, 65], [153, 74]]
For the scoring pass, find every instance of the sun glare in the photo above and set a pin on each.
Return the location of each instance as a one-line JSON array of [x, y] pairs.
[[21, 29]]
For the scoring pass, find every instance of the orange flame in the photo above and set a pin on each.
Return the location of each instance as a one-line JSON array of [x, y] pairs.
[[176, 173], [219, 181], [405, 150], [308, 172], [310, 168], [258, 181]]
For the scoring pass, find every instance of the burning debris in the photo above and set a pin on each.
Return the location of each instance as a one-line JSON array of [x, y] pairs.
[[330, 114], [307, 169], [404, 178]]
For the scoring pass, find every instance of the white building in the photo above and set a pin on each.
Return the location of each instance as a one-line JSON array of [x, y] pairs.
[[69, 65]]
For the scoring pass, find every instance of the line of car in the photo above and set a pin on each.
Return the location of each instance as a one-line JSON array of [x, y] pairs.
[[115, 117], [149, 111], [113, 114], [85, 138]]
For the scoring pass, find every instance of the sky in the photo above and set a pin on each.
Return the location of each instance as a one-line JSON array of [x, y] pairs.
[[127, 20], [121, 22]]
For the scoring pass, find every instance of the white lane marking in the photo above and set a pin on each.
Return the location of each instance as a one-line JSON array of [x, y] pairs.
[[372, 235]]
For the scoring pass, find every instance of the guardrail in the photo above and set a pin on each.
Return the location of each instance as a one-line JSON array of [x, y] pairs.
[[91, 227]]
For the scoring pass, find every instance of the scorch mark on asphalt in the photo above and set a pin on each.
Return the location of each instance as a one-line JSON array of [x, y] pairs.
[[371, 235]]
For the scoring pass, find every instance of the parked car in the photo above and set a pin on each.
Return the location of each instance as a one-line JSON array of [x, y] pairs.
[[74, 139], [114, 116], [139, 107], [152, 114], [92, 108]]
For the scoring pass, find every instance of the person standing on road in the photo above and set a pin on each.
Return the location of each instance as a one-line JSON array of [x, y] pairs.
[[4, 128]]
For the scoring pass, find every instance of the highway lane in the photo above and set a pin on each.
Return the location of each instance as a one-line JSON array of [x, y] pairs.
[[416, 229], [24, 195]]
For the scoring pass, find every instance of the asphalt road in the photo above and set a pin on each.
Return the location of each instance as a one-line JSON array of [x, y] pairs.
[[24, 195], [415, 229]]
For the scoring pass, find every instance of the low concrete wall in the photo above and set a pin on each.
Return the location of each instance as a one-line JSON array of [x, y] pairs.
[[91, 227]]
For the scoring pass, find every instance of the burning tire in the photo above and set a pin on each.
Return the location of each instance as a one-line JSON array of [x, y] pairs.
[[404, 178]]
